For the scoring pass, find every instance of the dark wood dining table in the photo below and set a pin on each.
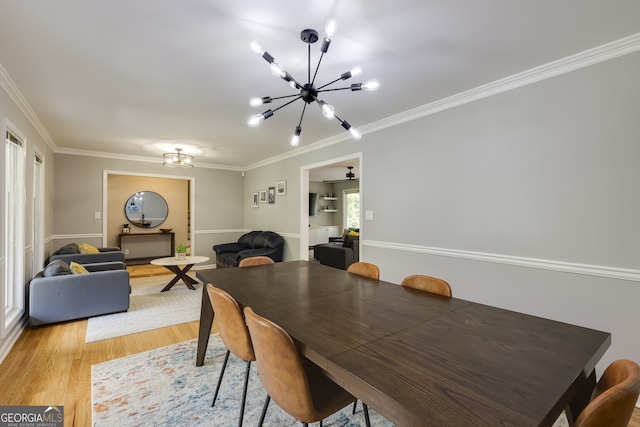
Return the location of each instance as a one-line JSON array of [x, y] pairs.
[[416, 358]]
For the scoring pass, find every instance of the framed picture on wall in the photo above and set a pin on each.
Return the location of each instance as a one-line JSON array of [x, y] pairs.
[[272, 195], [281, 188], [255, 199], [262, 197]]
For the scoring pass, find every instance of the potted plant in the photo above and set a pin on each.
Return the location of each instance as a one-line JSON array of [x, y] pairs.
[[125, 228], [181, 251]]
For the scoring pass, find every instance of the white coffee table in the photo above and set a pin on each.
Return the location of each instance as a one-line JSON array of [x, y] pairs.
[[173, 264]]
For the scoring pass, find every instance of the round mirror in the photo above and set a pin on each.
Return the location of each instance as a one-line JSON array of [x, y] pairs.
[[146, 209]]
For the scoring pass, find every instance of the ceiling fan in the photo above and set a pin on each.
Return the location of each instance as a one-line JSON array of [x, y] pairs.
[[350, 176]]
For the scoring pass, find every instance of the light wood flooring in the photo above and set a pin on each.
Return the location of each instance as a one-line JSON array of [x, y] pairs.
[[51, 365]]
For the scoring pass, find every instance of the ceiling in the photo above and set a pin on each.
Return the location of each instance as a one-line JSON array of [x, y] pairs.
[[141, 77]]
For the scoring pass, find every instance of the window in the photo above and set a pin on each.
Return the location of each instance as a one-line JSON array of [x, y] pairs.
[[14, 227], [352, 208]]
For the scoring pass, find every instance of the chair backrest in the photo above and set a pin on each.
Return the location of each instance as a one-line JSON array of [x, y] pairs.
[[365, 269], [279, 366], [231, 326], [255, 260], [427, 284], [614, 397]]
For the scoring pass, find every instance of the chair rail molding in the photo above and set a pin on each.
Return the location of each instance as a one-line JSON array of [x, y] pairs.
[[543, 264]]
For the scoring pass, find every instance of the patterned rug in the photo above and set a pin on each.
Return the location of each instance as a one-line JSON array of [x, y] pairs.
[[149, 309], [163, 387]]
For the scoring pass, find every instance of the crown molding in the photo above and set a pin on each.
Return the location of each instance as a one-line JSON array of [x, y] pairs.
[[605, 52], [14, 93]]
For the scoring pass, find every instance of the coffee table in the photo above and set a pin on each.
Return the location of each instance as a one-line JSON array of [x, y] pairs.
[[173, 264]]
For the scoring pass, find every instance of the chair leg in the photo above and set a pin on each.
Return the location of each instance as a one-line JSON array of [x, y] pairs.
[[224, 365], [355, 404], [264, 410], [365, 409], [244, 392]]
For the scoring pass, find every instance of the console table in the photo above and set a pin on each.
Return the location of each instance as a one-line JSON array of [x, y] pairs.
[[146, 246]]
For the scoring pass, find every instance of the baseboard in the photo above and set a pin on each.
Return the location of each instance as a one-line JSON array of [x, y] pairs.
[[11, 338]]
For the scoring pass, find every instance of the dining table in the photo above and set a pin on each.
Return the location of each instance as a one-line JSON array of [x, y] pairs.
[[416, 358]]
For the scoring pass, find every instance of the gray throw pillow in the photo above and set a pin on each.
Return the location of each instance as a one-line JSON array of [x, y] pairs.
[[56, 268]]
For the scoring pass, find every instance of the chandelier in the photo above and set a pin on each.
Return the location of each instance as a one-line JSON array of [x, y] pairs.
[[177, 159], [308, 92]]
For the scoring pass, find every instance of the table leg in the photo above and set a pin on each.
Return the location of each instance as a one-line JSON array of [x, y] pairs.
[[581, 399], [180, 274], [206, 322]]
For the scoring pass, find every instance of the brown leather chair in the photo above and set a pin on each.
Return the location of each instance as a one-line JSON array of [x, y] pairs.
[[298, 386], [255, 260], [614, 397], [234, 334], [427, 284], [365, 269]]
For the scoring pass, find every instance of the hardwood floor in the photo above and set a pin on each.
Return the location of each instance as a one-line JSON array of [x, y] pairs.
[[51, 365]]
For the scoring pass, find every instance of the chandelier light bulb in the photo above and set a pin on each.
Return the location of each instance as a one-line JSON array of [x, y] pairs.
[[330, 27], [372, 84], [355, 133], [327, 110], [278, 70], [295, 139], [254, 121], [256, 48], [255, 102], [356, 71]]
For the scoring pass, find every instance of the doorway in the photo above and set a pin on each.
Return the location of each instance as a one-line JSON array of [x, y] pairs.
[[331, 172]]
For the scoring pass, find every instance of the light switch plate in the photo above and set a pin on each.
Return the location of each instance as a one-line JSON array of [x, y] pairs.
[[96, 215], [368, 215]]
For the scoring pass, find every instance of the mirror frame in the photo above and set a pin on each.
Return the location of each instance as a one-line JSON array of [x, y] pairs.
[[135, 204]]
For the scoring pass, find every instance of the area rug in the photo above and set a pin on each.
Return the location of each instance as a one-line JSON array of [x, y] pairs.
[[163, 387], [148, 309]]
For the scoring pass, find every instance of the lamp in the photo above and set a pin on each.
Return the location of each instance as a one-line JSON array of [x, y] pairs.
[[308, 92], [177, 159]]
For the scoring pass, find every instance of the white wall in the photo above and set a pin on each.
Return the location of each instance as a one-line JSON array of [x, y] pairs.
[[526, 200]]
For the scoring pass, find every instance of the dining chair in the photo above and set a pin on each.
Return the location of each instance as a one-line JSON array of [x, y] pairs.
[[614, 397], [365, 269], [255, 260], [234, 334], [298, 386], [427, 284]]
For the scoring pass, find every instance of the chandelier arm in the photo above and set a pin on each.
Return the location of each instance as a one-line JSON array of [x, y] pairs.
[[330, 83], [317, 68], [286, 103], [285, 96], [331, 90], [302, 115]]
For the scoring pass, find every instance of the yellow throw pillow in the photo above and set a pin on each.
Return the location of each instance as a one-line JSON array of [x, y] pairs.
[[353, 233], [86, 248], [77, 268]]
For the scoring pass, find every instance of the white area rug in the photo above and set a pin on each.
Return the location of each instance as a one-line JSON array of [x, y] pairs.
[[149, 309]]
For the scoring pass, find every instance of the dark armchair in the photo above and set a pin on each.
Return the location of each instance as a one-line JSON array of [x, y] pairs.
[[338, 254], [254, 243]]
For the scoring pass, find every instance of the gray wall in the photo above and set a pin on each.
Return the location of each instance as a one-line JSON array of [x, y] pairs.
[[218, 197], [526, 200]]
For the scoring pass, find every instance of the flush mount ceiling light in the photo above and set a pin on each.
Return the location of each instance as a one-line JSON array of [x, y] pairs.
[[177, 159], [308, 92]]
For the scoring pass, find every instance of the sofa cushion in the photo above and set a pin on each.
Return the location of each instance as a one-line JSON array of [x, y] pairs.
[[86, 248], [349, 239], [247, 240], [71, 248], [267, 239], [77, 268], [56, 268]]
